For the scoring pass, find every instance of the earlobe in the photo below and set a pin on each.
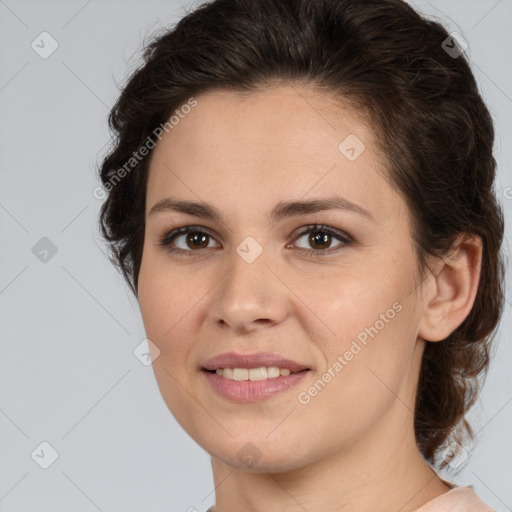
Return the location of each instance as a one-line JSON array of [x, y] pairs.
[[454, 285]]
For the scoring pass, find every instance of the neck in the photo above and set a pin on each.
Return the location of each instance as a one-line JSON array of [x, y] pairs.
[[375, 474]]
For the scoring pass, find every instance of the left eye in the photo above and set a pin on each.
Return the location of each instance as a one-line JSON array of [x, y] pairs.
[[323, 235], [197, 238]]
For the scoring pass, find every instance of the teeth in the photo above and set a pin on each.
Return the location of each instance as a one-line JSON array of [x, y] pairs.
[[261, 373], [240, 373], [273, 371]]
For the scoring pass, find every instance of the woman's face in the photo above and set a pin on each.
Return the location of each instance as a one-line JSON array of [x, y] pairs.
[[261, 280]]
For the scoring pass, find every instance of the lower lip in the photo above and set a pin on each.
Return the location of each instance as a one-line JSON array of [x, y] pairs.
[[253, 391]]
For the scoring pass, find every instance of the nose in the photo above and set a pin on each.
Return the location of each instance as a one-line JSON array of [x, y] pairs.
[[250, 296]]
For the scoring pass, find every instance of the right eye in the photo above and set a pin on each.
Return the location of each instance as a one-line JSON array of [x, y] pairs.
[[193, 236]]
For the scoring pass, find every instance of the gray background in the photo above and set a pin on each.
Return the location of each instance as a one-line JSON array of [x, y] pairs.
[[69, 326]]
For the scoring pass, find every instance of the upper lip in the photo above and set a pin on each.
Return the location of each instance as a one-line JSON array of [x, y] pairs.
[[234, 360]]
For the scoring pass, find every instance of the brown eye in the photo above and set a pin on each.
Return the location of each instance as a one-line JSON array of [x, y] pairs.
[[186, 240], [197, 240], [320, 239]]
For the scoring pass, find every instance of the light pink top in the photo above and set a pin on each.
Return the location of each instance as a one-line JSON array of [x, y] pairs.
[[457, 499]]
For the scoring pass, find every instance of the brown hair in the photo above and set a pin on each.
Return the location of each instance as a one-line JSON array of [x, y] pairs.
[[430, 123]]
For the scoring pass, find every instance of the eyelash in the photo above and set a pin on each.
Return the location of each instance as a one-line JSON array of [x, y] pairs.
[[168, 238]]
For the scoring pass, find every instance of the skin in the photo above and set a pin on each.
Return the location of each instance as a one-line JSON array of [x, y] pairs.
[[352, 447]]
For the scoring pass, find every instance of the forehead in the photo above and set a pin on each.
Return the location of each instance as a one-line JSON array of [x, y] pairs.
[[281, 118], [281, 142]]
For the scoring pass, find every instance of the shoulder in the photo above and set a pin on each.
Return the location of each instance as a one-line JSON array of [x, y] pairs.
[[458, 499]]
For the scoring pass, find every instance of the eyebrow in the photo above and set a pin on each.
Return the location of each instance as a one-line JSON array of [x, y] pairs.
[[281, 210]]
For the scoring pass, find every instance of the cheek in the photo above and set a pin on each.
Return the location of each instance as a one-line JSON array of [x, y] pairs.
[[370, 340], [351, 304], [362, 380], [163, 301], [164, 313]]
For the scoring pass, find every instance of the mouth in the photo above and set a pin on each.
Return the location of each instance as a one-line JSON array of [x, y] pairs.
[[252, 377], [258, 366]]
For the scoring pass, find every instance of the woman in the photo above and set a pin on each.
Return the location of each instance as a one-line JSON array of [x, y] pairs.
[[300, 196]]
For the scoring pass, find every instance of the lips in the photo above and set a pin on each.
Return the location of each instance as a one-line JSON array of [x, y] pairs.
[[259, 359]]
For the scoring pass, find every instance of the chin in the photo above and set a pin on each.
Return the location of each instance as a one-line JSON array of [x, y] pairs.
[[258, 455]]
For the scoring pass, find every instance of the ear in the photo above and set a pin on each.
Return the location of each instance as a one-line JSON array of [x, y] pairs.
[[451, 291]]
